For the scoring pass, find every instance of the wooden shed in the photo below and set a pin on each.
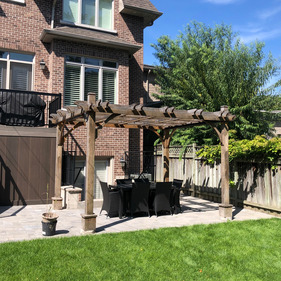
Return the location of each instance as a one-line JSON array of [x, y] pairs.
[[27, 170]]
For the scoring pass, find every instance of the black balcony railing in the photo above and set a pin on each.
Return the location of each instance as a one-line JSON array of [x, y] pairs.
[[26, 108]]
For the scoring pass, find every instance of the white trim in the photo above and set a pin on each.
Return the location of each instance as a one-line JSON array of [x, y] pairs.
[[18, 1], [100, 84], [97, 12], [113, 14], [82, 81], [116, 94], [88, 26]]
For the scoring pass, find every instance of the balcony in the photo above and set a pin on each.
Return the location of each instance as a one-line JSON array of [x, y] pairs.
[[26, 108]]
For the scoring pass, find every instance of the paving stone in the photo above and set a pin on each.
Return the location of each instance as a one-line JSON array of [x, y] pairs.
[[19, 223]]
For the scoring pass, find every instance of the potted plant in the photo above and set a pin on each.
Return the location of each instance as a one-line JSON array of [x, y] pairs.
[[49, 219]]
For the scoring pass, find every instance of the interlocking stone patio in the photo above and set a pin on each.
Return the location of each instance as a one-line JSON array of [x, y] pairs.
[[24, 222]]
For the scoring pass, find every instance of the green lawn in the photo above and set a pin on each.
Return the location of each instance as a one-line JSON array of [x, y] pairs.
[[249, 250]]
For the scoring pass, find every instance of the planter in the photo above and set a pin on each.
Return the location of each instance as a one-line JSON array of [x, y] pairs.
[[49, 222]]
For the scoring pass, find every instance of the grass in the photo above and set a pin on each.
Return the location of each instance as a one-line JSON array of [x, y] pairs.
[[249, 250]]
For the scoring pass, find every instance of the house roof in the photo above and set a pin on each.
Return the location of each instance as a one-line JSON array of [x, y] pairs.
[[140, 8], [76, 34]]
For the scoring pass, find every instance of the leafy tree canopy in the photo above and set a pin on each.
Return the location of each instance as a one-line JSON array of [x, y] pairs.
[[258, 149], [206, 67]]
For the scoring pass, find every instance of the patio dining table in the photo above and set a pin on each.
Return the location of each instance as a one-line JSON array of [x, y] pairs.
[[125, 198]]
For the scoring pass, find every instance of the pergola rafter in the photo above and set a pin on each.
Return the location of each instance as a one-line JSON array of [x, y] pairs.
[[98, 114]]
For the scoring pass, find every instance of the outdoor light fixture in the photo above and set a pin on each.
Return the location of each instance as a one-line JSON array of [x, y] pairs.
[[42, 65], [123, 163]]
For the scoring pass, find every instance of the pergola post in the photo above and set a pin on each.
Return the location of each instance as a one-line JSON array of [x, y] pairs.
[[57, 199], [166, 160], [225, 208], [166, 139], [89, 218]]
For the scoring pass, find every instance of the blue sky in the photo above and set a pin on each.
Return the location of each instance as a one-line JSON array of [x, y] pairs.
[[252, 19]]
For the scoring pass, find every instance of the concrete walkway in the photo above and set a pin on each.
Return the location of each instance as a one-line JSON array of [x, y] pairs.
[[24, 222]]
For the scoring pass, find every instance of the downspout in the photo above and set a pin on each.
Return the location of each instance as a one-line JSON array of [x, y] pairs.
[[53, 14], [147, 86]]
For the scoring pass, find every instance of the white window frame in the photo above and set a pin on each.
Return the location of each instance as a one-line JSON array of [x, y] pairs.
[[18, 1], [8, 70], [79, 23], [100, 69]]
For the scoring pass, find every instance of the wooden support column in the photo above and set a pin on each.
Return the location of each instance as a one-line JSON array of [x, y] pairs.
[[225, 208], [166, 156], [57, 199], [165, 139], [89, 218]]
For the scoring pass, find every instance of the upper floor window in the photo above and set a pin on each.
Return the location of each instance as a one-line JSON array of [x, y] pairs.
[[16, 71], [85, 75], [97, 13]]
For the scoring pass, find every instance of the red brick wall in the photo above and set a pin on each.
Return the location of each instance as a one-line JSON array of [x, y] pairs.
[[21, 26]]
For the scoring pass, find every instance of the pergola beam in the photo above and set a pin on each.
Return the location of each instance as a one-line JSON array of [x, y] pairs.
[[131, 114]]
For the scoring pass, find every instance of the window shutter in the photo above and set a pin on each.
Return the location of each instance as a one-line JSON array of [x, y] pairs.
[[91, 82], [2, 75], [108, 86], [21, 78], [71, 84]]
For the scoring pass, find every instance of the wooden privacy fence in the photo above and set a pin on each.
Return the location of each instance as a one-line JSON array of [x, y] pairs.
[[253, 184]]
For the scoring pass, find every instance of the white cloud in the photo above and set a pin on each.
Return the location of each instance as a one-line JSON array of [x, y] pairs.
[[269, 13], [260, 35], [223, 2]]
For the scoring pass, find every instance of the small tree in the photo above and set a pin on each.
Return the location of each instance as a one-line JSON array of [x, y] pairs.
[[208, 67]]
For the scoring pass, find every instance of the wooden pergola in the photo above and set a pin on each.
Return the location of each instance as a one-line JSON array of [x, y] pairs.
[[162, 121]]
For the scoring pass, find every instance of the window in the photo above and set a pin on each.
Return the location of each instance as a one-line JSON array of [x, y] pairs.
[[84, 75], [16, 71], [96, 13]]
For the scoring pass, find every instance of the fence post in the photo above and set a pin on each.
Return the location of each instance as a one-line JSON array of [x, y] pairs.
[[193, 169]]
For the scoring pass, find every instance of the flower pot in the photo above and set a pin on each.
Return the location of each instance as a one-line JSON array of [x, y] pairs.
[[49, 222]]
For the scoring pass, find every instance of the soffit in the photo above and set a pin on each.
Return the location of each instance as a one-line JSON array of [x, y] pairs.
[[76, 34]]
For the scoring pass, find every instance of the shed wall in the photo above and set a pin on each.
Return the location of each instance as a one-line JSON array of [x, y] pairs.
[[27, 165]]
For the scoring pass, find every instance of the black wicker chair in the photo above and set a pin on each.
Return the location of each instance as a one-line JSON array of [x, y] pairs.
[[139, 198], [162, 200], [124, 181], [111, 200], [177, 185]]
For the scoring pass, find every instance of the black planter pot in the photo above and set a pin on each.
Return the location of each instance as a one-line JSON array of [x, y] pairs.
[[49, 228], [49, 223]]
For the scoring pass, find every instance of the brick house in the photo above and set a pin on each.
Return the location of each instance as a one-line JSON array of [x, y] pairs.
[[74, 47]]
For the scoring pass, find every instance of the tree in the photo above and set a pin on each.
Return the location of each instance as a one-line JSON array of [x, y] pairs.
[[208, 67]]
